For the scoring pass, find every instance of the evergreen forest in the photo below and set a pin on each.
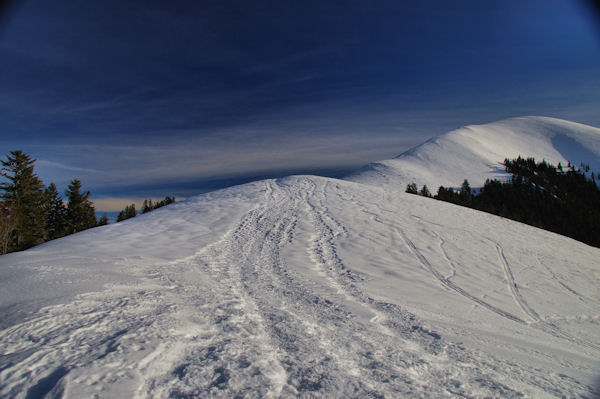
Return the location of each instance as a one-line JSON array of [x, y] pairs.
[[32, 213], [562, 200], [130, 212]]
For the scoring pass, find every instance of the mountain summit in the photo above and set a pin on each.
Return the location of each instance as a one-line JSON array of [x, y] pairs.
[[477, 152]]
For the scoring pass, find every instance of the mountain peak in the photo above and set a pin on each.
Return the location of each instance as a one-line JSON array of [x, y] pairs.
[[477, 152]]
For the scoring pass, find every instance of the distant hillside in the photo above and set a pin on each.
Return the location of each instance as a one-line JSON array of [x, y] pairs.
[[477, 152]]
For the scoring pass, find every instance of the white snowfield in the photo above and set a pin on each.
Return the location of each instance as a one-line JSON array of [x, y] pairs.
[[477, 153], [303, 287]]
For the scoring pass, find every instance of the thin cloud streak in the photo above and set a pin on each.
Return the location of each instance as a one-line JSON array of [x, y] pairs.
[[202, 159], [51, 164]]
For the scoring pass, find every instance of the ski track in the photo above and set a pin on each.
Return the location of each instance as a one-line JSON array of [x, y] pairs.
[[544, 384], [233, 320], [513, 288], [560, 281], [456, 354], [535, 320], [449, 261], [450, 285], [538, 321]]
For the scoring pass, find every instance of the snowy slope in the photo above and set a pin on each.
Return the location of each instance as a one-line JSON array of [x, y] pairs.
[[477, 153], [302, 287]]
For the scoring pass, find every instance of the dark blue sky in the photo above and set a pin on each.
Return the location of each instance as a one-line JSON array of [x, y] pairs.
[[155, 98]]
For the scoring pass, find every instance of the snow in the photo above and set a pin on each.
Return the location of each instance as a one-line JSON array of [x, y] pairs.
[[477, 153], [305, 287]]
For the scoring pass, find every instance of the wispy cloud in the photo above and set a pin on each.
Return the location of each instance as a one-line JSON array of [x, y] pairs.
[[199, 159], [189, 155], [52, 164]]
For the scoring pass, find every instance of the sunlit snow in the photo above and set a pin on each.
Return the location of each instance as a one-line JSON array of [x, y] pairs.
[[477, 153], [310, 287]]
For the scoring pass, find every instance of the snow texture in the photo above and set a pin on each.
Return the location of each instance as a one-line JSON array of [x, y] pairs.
[[305, 287]]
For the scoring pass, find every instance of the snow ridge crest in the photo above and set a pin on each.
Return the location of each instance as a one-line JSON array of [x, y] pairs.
[[477, 152]]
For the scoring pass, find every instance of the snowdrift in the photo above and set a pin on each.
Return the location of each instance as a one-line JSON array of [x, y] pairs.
[[304, 287], [477, 153]]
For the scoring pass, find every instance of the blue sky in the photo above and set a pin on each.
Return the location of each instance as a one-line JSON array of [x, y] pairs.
[[151, 98]]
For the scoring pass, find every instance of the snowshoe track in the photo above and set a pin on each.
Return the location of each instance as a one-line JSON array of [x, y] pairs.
[[236, 320]]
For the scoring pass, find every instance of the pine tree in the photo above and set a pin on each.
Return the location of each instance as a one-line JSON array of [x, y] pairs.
[[127, 213], [80, 210], [425, 192], [147, 206], [103, 220], [56, 220], [24, 202], [8, 224], [130, 211], [412, 188], [465, 194]]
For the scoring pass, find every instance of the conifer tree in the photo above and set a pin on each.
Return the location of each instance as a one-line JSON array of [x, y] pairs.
[[465, 194], [127, 213], [103, 220], [8, 224], [130, 211], [147, 206], [425, 192], [412, 188], [80, 210], [24, 202], [56, 220]]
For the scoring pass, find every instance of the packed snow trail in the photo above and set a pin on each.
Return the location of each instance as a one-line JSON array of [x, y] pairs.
[[307, 287]]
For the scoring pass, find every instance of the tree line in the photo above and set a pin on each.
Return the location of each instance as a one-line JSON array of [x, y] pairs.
[[31, 213], [147, 206], [561, 200]]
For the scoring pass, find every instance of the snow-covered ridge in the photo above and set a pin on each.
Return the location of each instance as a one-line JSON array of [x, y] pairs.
[[305, 287], [477, 152]]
